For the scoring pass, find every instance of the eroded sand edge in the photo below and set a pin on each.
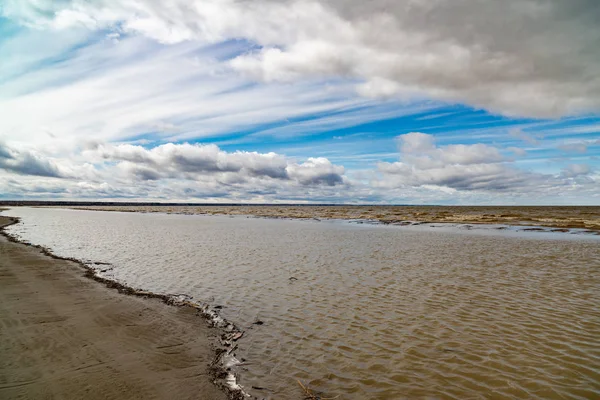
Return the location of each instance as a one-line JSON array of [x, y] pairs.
[[65, 336]]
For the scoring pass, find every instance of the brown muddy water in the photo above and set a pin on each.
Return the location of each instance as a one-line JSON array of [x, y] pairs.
[[364, 311]]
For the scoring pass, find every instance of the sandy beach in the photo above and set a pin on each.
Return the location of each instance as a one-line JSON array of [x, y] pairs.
[[66, 336]]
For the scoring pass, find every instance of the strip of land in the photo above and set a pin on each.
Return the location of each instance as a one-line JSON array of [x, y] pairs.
[[65, 336], [556, 217], [559, 217]]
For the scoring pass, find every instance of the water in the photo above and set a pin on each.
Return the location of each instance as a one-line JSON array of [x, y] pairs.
[[364, 311], [583, 218]]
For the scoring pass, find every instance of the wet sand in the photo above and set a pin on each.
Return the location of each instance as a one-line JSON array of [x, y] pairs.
[[65, 336]]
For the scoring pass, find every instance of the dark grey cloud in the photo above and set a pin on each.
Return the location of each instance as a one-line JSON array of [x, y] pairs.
[[534, 58], [4, 153], [317, 171], [27, 163], [144, 173], [330, 179], [199, 193]]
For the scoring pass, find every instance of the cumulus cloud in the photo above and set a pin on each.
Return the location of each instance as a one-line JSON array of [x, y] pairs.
[[426, 173], [176, 161], [316, 171], [460, 167], [534, 58], [478, 170], [421, 151], [175, 172], [27, 163]]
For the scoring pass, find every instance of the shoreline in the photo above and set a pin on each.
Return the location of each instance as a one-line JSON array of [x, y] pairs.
[[590, 228], [161, 223], [530, 218], [210, 338]]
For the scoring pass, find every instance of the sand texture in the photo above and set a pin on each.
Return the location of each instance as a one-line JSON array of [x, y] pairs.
[[64, 336]]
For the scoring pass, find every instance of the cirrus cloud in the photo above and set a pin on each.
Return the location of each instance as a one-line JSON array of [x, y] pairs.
[[99, 98], [535, 58]]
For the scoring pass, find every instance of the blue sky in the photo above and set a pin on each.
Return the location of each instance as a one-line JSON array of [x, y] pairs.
[[213, 101]]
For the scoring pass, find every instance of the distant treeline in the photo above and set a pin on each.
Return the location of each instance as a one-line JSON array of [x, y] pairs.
[[64, 203], [16, 203]]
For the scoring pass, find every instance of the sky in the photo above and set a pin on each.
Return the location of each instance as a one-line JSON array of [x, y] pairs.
[[293, 101]]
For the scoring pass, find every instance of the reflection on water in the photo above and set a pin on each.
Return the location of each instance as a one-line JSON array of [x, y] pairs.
[[361, 311]]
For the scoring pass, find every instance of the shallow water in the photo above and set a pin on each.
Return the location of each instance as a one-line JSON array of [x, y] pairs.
[[557, 217], [372, 312]]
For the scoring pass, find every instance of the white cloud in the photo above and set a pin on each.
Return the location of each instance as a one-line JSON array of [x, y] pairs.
[[138, 90], [172, 172], [477, 167], [317, 171], [420, 150], [461, 167], [573, 147], [493, 177], [519, 134], [575, 170], [427, 173], [195, 161], [517, 151], [518, 57], [89, 82]]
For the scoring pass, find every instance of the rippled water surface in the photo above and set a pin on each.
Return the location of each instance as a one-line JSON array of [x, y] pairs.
[[362, 311]]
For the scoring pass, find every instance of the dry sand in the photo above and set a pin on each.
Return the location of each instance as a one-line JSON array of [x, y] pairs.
[[64, 336]]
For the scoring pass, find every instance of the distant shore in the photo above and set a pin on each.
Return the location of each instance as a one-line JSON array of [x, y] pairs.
[[556, 217], [66, 336]]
